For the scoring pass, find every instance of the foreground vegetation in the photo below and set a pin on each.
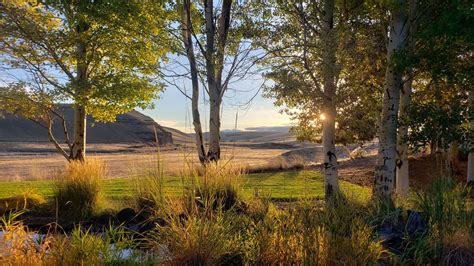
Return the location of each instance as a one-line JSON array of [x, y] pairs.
[[213, 220]]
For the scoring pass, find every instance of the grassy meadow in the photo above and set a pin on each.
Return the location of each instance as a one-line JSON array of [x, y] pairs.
[[289, 185]]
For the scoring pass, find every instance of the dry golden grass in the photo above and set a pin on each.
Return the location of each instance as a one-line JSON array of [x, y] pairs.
[[78, 189], [28, 199], [278, 164], [459, 248], [18, 246], [27, 167]]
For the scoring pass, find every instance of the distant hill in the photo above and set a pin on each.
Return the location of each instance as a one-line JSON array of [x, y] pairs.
[[283, 129], [180, 136], [254, 136], [132, 127]]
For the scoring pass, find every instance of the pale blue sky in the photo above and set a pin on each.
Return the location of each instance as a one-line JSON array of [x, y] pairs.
[[173, 109]]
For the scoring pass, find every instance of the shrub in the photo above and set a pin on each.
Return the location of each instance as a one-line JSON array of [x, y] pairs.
[[279, 163], [77, 189], [358, 152]]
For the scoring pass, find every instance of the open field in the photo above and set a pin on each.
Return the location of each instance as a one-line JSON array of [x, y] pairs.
[[33, 161], [281, 185]]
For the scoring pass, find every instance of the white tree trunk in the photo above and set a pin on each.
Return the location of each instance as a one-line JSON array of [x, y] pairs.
[[329, 151], [215, 50], [188, 45], [214, 152], [79, 141], [402, 181], [328, 38], [402, 175], [386, 162], [80, 113]]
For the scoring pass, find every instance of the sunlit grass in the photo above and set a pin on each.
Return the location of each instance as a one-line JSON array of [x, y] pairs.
[[280, 186]]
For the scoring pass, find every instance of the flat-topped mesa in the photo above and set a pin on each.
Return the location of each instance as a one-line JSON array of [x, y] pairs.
[[131, 127]]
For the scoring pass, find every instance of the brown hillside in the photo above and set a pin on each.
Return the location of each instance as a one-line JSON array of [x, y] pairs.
[[132, 127]]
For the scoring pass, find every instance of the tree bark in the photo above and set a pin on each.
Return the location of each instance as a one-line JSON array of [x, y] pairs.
[[188, 45], [79, 141], [402, 173], [402, 181], [214, 68], [81, 83], [53, 140], [214, 152], [386, 162], [328, 38]]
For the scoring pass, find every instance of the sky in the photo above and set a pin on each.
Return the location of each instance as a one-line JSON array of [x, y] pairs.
[[242, 102], [173, 109]]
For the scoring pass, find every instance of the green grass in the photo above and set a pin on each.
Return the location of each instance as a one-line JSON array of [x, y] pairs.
[[281, 185]]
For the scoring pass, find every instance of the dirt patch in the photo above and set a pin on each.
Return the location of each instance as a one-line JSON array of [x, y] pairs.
[[423, 170], [359, 171]]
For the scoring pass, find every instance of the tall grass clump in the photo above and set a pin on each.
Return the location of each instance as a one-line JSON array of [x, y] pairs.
[[149, 192], [310, 234], [20, 247], [218, 186], [445, 207], [201, 225], [28, 199], [114, 247], [78, 188], [194, 240]]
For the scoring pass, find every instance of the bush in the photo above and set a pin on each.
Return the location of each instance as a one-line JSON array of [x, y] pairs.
[[279, 163], [78, 189]]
